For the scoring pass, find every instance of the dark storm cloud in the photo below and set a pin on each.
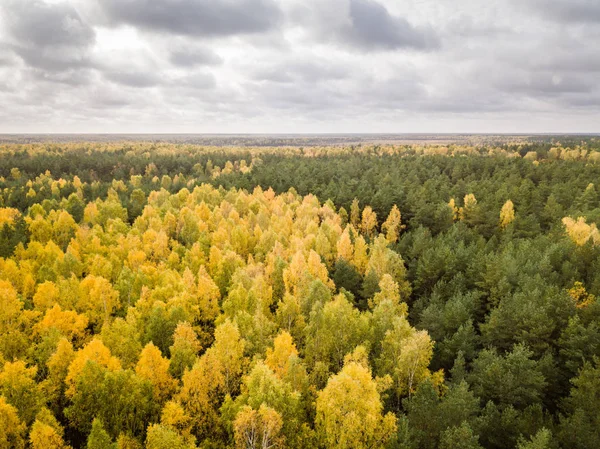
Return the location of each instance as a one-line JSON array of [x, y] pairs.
[[374, 28], [47, 36], [195, 17], [565, 11]]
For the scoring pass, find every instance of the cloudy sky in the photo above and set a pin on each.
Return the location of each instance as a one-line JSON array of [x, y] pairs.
[[288, 66]]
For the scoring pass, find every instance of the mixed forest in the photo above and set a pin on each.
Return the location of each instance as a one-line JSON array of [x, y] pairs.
[[180, 296]]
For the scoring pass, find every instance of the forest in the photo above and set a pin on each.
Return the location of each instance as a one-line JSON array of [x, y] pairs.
[[355, 296]]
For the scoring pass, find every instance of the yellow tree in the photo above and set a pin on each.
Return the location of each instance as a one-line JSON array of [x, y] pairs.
[[184, 350], [122, 337], [228, 350], [46, 295], [361, 257], [46, 432], [453, 208], [63, 229], [388, 290], [10, 307], [468, 212], [18, 386], [70, 324], [368, 222], [344, 246], [94, 351], [12, 340], [278, 357], [580, 296], [98, 299], [208, 297], [12, 430], [350, 411], [507, 214], [581, 232], [163, 437], [355, 214], [405, 355], [155, 368], [393, 225], [258, 429], [200, 394], [174, 416], [58, 368]]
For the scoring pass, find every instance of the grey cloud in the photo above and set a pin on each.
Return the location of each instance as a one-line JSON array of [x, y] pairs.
[[214, 18], [194, 56], [374, 28], [364, 25], [133, 78], [71, 77], [48, 36], [547, 85], [194, 80], [308, 70], [315, 62], [582, 59], [584, 11]]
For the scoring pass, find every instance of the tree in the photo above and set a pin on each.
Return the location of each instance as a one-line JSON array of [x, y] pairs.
[[350, 412], [392, 225], [98, 299], [344, 246], [347, 277], [12, 429], [507, 214], [278, 357], [184, 350], [98, 437], [228, 350], [334, 330], [579, 428], [46, 295], [58, 368], [541, 440], [162, 437], [469, 213], [355, 214], [405, 355], [581, 232], [153, 367], [174, 416], [257, 429], [69, 324], [511, 380], [46, 432], [368, 222], [433, 417], [19, 388], [208, 297], [263, 388], [94, 351], [122, 338], [461, 437], [121, 400]]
